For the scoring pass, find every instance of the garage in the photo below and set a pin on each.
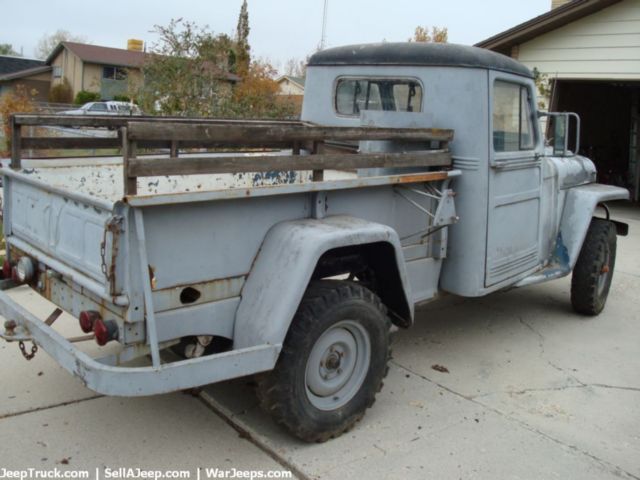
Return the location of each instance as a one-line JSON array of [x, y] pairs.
[[586, 56]]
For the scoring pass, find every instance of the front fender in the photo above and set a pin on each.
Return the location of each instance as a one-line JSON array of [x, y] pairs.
[[284, 266], [579, 207]]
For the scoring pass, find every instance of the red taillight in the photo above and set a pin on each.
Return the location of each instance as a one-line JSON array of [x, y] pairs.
[[6, 269], [105, 331], [88, 319]]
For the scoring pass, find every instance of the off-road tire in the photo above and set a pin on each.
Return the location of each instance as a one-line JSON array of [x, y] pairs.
[[589, 289], [283, 392]]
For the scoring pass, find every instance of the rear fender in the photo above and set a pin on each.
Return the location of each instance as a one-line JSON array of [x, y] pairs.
[[579, 208], [285, 264]]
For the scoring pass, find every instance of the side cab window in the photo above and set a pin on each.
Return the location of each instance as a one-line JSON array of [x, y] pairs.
[[513, 117]]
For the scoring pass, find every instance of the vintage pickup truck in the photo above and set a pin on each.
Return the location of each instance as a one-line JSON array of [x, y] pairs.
[[294, 262]]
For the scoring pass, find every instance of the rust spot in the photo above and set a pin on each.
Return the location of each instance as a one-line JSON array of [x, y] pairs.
[[152, 277], [422, 177]]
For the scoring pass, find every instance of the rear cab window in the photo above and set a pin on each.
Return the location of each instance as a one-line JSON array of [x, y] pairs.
[[352, 95]]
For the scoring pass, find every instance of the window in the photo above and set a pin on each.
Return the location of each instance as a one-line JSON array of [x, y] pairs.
[[98, 107], [57, 71], [399, 95], [512, 118], [114, 73]]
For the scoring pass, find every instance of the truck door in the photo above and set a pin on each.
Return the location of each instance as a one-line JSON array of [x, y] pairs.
[[515, 180]]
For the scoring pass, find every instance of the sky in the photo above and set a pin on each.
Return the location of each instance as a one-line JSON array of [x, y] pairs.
[[280, 29]]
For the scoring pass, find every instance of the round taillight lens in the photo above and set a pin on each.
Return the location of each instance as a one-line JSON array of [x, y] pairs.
[[6, 269], [25, 270], [88, 319], [105, 331]]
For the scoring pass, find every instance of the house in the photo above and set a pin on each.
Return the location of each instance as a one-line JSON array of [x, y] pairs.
[[589, 53], [93, 68], [34, 75], [291, 89], [290, 85], [103, 70]]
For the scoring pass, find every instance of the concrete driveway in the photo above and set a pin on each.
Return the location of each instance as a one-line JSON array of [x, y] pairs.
[[531, 390]]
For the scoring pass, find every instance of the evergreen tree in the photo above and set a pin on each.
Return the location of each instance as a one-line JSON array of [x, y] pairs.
[[243, 57]]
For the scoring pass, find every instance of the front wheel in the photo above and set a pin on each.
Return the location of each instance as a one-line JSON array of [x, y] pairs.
[[332, 362], [593, 272]]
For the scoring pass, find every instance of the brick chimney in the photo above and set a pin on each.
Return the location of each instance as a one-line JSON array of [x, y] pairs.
[[135, 45], [558, 3]]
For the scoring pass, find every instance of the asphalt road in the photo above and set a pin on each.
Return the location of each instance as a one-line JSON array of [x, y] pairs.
[[532, 391]]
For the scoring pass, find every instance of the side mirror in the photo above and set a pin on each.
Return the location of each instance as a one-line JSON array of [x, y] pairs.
[[560, 134], [559, 128]]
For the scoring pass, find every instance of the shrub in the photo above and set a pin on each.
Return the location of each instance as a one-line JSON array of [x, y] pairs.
[[18, 101], [61, 93], [84, 96], [122, 98]]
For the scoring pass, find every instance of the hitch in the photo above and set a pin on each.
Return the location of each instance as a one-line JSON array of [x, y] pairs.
[[17, 333]]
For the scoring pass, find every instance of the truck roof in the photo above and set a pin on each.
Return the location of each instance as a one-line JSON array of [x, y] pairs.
[[418, 53]]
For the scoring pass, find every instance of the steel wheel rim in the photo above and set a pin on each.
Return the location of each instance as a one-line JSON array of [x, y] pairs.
[[337, 365]]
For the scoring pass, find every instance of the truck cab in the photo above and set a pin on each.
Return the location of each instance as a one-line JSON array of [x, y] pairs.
[[525, 208]]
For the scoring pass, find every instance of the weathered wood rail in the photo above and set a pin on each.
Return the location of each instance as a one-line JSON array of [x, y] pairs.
[[324, 147]]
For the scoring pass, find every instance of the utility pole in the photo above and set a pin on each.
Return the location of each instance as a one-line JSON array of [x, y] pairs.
[[323, 38]]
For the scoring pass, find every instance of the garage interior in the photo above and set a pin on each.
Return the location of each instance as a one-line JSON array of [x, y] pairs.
[[609, 112]]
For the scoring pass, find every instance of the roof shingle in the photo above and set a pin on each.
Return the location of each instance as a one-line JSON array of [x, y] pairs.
[[10, 64]]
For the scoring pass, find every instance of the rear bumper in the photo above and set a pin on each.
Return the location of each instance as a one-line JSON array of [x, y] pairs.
[[133, 381]]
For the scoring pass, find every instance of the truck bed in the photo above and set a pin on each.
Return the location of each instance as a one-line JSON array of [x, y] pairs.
[[164, 245], [101, 177]]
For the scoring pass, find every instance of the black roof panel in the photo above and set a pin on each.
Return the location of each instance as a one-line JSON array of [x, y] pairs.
[[9, 64], [418, 53]]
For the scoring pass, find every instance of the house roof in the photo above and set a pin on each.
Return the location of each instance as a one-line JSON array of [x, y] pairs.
[[10, 64], [556, 18], [418, 53], [100, 55], [297, 80], [25, 73], [111, 56]]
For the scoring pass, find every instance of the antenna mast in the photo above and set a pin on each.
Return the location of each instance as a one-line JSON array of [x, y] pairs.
[[323, 38]]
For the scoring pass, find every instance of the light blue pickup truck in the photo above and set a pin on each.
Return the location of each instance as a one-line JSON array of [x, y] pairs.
[[416, 169]]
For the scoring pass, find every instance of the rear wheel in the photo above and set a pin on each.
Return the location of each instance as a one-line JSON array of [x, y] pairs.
[[593, 272], [332, 362]]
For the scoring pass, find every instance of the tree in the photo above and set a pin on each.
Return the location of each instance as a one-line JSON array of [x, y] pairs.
[[17, 101], [256, 96], [296, 67], [7, 49], [543, 84], [437, 34], [186, 71], [47, 42], [242, 40]]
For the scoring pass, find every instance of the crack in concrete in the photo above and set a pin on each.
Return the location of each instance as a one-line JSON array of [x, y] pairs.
[[631, 274], [541, 342], [614, 469], [47, 407], [248, 433], [614, 387]]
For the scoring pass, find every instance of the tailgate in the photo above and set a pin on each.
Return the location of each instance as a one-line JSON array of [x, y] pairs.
[[65, 226]]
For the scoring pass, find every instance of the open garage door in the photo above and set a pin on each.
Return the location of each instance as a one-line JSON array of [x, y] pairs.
[[609, 133]]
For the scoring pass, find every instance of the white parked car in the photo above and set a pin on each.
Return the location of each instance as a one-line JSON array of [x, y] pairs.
[[105, 108]]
